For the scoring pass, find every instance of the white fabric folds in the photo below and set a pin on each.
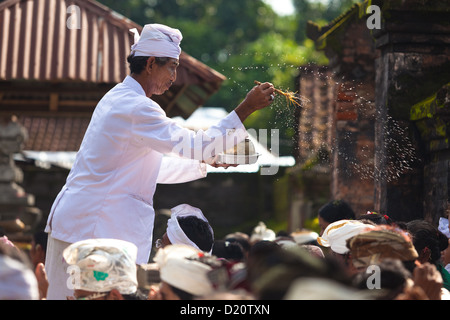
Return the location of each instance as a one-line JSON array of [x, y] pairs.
[[157, 40], [337, 233], [175, 234]]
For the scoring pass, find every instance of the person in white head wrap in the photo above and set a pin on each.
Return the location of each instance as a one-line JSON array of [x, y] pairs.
[[102, 268], [201, 231], [129, 147], [336, 234], [184, 268]]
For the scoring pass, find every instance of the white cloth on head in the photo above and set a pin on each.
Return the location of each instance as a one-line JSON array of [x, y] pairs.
[[175, 233], [262, 233], [443, 226], [304, 236], [180, 267], [17, 281], [157, 40], [103, 265], [337, 233]]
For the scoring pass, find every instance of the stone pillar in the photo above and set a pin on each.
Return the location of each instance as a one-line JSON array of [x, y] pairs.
[[431, 117], [349, 46], [16, 206], [414, 62], [351, 51]]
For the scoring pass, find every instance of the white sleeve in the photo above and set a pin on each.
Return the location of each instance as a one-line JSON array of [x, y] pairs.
[[153, 128], [180, 170]]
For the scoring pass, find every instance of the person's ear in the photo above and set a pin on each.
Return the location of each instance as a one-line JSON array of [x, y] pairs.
[[150, 63]]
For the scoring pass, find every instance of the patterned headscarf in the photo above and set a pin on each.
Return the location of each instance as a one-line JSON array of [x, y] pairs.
[[100, 265], [380, 243]]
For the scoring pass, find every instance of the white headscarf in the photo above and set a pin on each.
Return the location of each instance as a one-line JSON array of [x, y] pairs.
[[175, 234], [304, 236], [180, 267], [261, 232], [103, 265], [17, 281], [443, 227], [157, 40], [337, 233]]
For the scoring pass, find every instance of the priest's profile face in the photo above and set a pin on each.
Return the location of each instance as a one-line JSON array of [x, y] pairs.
[[163, 76], [156, 75]]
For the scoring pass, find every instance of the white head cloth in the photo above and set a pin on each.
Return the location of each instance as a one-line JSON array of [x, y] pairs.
[[304, 236], [103, 265], [17, 281], [261, 232], [175, 233], [443, 226], [157, 40], [337, 233], [178, 267]]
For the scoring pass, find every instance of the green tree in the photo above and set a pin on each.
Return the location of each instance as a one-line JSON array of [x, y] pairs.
[[321, 12]]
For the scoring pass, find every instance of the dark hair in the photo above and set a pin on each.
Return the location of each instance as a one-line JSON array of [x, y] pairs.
[[228, 250], [244, 243], [336, 210], [424, 234], [137, 64], [197, 230], [380, 219]]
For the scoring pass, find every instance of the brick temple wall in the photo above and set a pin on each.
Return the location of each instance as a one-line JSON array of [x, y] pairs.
[[341, 115]]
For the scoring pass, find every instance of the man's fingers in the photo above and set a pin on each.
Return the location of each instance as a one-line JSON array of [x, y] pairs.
[[265, 86]]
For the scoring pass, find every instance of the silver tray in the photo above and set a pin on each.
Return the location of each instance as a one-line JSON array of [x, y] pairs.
[[224, 158]]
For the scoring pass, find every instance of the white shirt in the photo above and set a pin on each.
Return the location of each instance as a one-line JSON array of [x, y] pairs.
[[109, 191]]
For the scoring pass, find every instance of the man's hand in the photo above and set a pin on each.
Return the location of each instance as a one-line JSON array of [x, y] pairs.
[[212, 162], [259, 97]]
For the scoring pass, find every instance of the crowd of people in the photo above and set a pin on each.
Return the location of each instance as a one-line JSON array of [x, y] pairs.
[[350, 258]]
